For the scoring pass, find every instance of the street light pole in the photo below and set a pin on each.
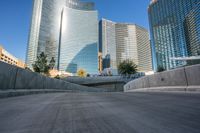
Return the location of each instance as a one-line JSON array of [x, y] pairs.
[[60, 39]]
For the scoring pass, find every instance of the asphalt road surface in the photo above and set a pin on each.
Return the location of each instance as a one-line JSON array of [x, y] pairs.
[[101, 113]]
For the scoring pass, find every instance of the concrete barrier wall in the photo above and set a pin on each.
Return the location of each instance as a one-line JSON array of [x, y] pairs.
[[186, 78], [193, 75], [93, 80], [110, 86], [169, 78], [7, 76], [28, 80], [12, 77], [112, 83]]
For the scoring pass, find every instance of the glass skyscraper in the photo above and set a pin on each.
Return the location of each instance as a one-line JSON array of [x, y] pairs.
[[192, 29], [108, 43], [66, 30], [167, 18]]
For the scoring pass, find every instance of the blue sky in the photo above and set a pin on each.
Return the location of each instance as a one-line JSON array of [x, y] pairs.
[[16, 15]]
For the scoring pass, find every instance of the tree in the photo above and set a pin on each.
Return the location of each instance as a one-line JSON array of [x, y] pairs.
[[127, 67], [88, 75], [57, 77], [27, 68], [41, 64], [82, 73], [109, 73], [161, 69], [52, 63]]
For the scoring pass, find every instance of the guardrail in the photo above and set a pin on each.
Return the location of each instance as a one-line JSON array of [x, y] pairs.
[[181, 79]]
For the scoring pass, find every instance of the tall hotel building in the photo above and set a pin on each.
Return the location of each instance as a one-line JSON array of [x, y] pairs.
[[122, 41], [66, 30], [174, 27]]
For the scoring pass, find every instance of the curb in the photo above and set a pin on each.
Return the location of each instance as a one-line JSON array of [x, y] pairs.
[[14, 93], [168, 89]]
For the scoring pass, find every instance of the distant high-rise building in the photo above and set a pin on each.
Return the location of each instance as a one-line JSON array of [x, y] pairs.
[[108, 43], [167, 29], [122, 41], [66, 30], [143, 49], [133, 44], [6, 57], [126, 42]]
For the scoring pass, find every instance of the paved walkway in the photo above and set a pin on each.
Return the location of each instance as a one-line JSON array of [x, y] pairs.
[[101, 113]]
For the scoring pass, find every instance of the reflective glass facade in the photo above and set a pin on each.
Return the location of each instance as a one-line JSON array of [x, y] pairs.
[[66, 30], [34, 33], [192, 31], [108, 43], [167, 31]]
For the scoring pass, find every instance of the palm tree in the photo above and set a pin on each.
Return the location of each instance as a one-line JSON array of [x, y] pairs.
[[127, 68]]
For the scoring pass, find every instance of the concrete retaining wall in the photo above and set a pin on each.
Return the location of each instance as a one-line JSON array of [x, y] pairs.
[[93, 80], [12, 77], [181, 79], [7, 76], [113, 83], [110, 86], [28, 80]]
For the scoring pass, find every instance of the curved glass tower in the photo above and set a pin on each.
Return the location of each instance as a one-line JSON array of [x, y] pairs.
[[66, 30], [168, 40]]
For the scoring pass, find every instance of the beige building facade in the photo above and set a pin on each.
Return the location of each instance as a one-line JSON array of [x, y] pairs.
[[6, 57]]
